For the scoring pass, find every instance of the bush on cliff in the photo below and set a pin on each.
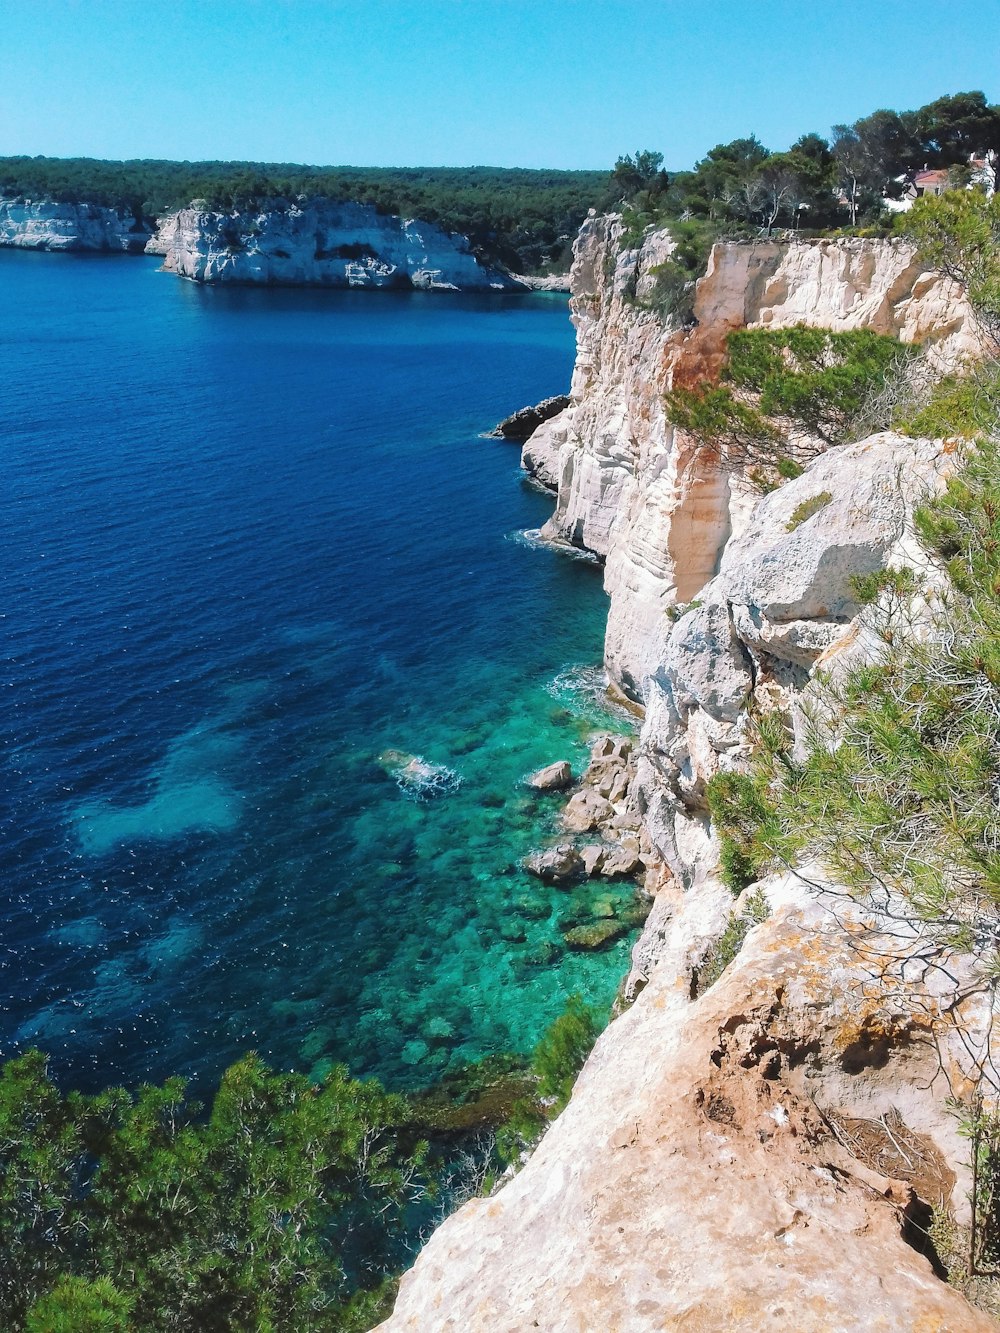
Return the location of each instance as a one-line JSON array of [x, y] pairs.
[[786, 395]]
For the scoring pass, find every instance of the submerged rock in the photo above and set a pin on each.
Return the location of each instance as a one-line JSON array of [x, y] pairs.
[[595, 934], [417, 778]]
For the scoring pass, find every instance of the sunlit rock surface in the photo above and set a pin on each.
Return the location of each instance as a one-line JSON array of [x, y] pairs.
[[324, 244], [44, 224]]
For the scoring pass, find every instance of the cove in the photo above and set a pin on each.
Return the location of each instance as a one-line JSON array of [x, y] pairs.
[[254, 551]]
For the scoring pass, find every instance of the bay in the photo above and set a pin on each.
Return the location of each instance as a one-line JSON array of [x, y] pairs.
[[255, 559]]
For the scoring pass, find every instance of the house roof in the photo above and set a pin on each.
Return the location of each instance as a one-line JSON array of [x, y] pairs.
[[937, 176]]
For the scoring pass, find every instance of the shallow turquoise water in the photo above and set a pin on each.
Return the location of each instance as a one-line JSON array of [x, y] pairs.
[[253, 543]]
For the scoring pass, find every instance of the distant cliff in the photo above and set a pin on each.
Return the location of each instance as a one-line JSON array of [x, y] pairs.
[[44, 224], [324, 244]]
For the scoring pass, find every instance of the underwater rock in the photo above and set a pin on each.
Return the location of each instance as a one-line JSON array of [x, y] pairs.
[[416, 778], [543, 954], [414, 1052], [556, 865], [594, 935], [553, 777], [533, 907]]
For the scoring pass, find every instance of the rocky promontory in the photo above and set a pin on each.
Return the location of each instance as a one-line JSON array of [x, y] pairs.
[[46, 224], [322, 243]]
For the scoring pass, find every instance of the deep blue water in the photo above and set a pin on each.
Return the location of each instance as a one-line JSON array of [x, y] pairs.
[[252, 541]]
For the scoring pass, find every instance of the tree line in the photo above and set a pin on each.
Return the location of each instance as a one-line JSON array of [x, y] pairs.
[[526, 219], [818, 183]]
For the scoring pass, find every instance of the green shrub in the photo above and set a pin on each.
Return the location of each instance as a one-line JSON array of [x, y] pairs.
[[958, 233], [730, 942], [779, 384], [560, 1054], [807, 509], [743, 815], [137, 1210]]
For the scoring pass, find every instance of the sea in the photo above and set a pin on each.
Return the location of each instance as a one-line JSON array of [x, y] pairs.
[[276, 658]]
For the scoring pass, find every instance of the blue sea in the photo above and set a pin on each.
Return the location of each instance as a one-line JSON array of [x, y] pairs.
[[255, 560]]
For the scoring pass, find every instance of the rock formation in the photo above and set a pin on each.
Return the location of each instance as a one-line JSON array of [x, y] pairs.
[[44, 224], [522, 424], [321, 243], [758, 1140]]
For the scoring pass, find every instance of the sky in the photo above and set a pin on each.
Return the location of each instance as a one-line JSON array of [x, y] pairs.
[[535, 83]]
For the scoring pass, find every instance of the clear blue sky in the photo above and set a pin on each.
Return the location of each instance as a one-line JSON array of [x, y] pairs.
[[560, 83]]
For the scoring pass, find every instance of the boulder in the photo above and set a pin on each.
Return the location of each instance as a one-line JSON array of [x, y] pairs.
[[587, 810], [622, 858], [592, 855], [556, 865], [553, 777]]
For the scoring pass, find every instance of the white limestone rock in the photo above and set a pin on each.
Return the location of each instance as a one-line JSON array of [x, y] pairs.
[[637, 492], [328, 244], [693, 1182], [44, 224]]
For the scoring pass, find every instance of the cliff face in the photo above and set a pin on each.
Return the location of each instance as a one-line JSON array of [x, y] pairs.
[[322, 244], [46, 225], [637, 491], [760, 1151]]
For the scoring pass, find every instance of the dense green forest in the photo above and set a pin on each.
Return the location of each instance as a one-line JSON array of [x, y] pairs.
[[522, 218], [819, 186]]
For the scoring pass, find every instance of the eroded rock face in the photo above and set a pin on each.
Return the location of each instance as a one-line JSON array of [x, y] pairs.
[[44, 224], [325, 244], [782, 598], [695, 1182], [641, 494]]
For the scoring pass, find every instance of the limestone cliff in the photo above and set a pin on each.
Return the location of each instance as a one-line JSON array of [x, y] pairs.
[[759, 1148], [638, 492], [324, 244], [44, 224]]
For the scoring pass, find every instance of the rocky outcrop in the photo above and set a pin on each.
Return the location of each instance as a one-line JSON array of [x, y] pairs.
[[782, 599], [321, 243], [44, 224], [522, 424], [161, 242]]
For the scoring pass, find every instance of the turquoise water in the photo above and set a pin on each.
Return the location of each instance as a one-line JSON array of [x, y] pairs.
[[255, 559]]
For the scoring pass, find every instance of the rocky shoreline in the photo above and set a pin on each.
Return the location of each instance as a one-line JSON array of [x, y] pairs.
[[730, 1157], [312, 243]]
